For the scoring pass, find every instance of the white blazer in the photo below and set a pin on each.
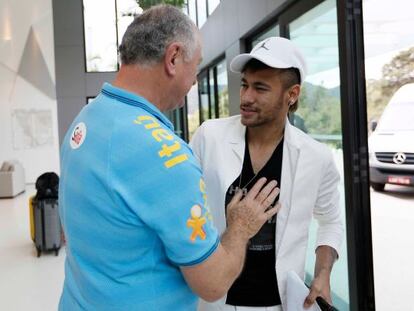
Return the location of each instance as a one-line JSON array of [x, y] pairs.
[[309, 188]]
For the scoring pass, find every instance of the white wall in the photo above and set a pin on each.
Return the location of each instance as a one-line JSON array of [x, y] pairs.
[[28, 107]]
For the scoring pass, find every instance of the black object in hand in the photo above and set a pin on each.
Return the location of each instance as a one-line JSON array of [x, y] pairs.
[[324, 305]]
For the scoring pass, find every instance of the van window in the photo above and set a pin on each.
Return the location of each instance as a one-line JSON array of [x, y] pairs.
[[397, 117]]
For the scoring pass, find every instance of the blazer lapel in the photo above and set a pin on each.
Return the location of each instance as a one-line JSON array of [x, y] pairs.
[[291, 154], [236, 138], [229, 166], [236, 144]]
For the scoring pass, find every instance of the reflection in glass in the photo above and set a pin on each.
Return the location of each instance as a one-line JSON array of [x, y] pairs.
[[177, 120], [100, 35], [203, 95], [193, 113], [212, 93], [315, 33], [223, 92], [272, 31]]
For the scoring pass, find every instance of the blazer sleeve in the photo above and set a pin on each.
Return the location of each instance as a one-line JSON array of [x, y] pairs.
[[327, 210]]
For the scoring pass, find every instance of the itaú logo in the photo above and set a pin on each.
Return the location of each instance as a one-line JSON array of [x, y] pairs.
[[399, 158]]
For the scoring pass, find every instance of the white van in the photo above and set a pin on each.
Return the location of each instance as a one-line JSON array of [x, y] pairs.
[[391, 145]]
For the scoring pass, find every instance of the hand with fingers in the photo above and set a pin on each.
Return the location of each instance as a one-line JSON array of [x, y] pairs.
[[248, 214], [320, 288]]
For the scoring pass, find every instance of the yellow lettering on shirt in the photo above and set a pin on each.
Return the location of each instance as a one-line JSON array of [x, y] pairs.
[[176, 160], [202, 186], [203, 191], [153, 124], [168, 150], [160, 134]]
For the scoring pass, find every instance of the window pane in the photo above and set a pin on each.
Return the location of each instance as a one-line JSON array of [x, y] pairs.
[[203, 92], [212, 4], [193, 113], [192, 10], [177, 121], [100, 35], [126, 11], [389, 65], [315, 33], [223, 92], [185, 8], [212, 94], [272, 31], [201, 12]]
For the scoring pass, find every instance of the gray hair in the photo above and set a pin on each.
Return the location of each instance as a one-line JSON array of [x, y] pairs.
[[148, 36]]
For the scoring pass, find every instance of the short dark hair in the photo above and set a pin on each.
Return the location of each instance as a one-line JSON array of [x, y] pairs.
[[288, 76]]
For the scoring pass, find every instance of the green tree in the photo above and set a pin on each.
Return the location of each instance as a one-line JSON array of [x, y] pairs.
[[319, 110], [224, 103], [319, 113], [398, 72], [145, 4], [376, 99]]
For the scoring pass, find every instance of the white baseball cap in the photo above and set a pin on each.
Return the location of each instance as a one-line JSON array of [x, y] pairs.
[[276, 52]]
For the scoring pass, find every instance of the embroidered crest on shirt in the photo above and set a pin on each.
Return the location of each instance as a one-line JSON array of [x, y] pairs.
[[196, 222], [78, 136]]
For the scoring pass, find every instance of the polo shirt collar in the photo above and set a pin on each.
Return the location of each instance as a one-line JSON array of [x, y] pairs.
[[135, 100]]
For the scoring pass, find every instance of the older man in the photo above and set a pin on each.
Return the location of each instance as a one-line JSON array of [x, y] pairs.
[[132, 198], [235, 152]]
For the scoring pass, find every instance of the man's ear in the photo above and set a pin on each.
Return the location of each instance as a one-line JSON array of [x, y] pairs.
[[294, 93], [173, 55]]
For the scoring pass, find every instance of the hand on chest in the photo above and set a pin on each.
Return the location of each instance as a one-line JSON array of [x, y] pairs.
[[261, 162]]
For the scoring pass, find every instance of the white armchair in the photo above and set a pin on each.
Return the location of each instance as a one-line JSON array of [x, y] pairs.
[[12, 179]]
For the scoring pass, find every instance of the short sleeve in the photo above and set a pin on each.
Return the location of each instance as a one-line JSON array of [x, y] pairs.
[[155, 174]]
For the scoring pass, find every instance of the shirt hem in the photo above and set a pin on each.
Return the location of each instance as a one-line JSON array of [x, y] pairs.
[[202, 258]]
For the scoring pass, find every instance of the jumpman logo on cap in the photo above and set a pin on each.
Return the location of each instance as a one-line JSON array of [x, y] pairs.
[[263, 46]]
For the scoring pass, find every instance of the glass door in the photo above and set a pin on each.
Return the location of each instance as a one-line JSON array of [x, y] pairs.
[[389, 70], [319, 115]]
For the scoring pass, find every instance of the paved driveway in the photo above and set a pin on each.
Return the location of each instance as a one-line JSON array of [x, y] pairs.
[[392, 214]]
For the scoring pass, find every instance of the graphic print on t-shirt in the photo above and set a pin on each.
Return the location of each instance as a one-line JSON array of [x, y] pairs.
[[265, 239], [257, 284]]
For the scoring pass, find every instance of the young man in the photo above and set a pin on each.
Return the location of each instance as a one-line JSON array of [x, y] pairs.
[[260, 142], [132, 199]]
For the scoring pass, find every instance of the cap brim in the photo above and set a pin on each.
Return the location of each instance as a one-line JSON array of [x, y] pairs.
[[238, 63]]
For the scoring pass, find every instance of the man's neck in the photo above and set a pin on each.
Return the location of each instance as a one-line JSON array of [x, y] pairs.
[[143, 81], [266, 135]]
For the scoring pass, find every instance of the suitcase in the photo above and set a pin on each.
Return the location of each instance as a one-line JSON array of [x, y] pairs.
[[45, 228], [31, 215]]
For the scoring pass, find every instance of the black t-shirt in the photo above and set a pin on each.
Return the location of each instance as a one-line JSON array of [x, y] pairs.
[[257, 284]]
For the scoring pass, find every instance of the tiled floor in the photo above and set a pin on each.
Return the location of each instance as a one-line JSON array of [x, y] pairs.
[[35, 284], [26, 282]]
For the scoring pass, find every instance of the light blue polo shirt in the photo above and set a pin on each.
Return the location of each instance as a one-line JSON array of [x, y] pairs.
[[133, 206]]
